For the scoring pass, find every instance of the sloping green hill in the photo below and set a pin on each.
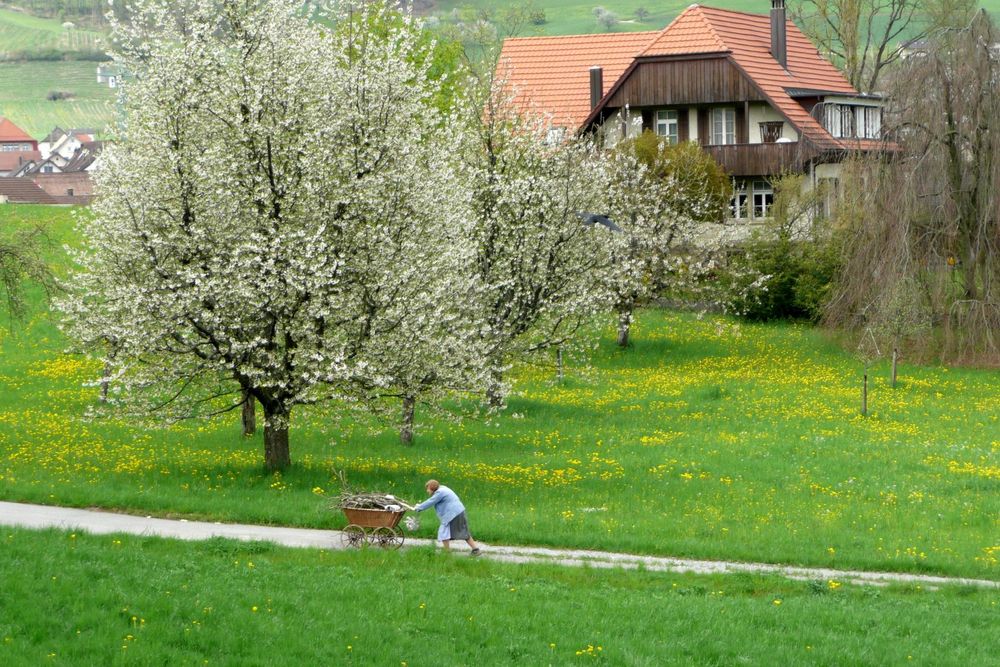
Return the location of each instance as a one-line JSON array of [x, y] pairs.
[[25, 87], [568, 17], [23, 35]]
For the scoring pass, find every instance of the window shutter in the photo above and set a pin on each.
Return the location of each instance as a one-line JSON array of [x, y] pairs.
[[742, 129]]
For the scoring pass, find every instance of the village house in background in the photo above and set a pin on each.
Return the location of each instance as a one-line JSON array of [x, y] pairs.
[[16, 148], [750, 89], [55, 170]]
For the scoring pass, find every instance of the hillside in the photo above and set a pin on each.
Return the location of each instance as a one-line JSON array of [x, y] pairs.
[[568, 17], [25, 36], [24, 90], [38, 56]]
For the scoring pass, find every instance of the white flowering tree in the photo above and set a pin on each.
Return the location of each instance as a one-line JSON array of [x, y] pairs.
[[658, 195], [540, 267], [279, 214]]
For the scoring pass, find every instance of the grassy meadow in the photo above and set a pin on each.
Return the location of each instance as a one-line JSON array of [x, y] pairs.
[[708, 439], [76, 599]]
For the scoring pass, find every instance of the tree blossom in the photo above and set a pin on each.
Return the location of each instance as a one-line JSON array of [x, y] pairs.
[[282, 215]]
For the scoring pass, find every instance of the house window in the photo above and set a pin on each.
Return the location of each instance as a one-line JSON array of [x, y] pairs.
[[69, 192], [847, 121], [723, 126], [854, 121], [770, 131], [763, 199], [666, 125], [47, 169], [829, 189], [739, 205], [868, 122], [832, 116]]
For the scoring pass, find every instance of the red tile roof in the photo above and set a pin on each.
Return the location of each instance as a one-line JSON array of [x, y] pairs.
[[10, 132], [748, 38], [551, 73], [691, 32], [24, 191]]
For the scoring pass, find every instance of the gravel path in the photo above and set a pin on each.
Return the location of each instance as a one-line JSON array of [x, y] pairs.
[[102, 523]]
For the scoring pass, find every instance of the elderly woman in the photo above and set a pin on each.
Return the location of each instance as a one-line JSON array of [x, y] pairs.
[[451, 512]]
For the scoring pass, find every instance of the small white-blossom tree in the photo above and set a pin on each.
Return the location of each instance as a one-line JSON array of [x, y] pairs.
[[540, 267], [658, 195], [280, 213]]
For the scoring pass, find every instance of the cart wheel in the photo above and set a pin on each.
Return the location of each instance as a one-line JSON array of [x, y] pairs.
[[387, 538], [353, 536]]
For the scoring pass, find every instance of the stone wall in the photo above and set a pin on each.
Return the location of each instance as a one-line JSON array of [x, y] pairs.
[[74, 187]]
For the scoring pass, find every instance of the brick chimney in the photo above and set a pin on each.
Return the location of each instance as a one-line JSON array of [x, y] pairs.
[[596, 85], [778, 38]]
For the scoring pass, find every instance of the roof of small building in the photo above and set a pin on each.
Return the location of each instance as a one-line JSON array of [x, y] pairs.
[[11, 160], [55, 135], [552, 73], [24, 191], [11, 132], [84, 156]]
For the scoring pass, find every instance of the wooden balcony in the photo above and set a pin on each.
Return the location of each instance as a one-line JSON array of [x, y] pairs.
[[757, 159]]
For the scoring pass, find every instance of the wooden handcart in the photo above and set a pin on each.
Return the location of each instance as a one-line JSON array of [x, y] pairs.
[[372, 526]]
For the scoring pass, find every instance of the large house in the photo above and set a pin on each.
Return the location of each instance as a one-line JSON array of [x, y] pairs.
[[14, 139], [17, 148], [751, 89]]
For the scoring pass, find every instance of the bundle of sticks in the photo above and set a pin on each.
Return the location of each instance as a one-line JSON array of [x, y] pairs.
[[370, 501]]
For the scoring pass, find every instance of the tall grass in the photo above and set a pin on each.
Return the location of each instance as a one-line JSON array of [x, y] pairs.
[[706, 439], [74, 599]]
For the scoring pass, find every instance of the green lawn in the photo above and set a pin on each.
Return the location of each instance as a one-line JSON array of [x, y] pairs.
[[75, 599], [707, 439]]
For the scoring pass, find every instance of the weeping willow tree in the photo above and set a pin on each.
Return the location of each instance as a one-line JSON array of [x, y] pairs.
[[927, 222]]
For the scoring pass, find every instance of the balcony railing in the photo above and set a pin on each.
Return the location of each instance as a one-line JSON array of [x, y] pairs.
[[756, 159]]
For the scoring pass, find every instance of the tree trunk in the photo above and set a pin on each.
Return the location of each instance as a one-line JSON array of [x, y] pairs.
[[559, 364], [895, 360], [864, 396], [494, 389], [624, 327], [105, 382], [276, 422], [249, 414], [970, 273], [406, 431]]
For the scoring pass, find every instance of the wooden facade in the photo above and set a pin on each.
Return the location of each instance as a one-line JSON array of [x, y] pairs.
[[679, 81], [701, 83], [758, 159]]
